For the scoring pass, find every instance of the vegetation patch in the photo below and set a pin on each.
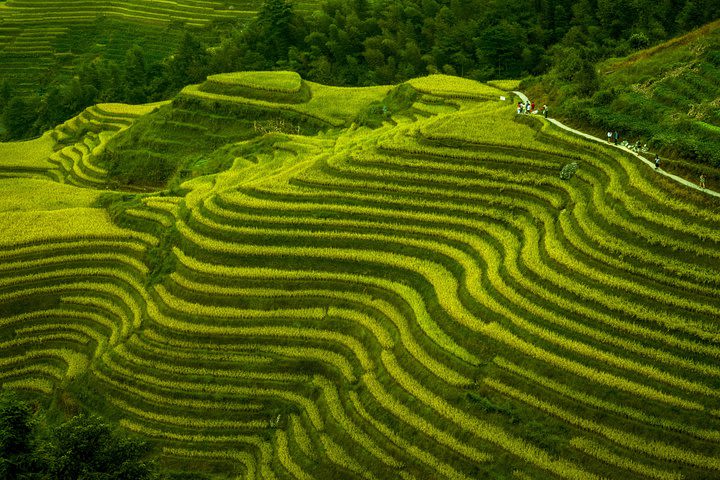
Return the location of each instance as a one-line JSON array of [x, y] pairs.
[[399, 101]]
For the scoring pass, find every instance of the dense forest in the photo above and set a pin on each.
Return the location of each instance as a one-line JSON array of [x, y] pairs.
[[33, 446], [362, 42]]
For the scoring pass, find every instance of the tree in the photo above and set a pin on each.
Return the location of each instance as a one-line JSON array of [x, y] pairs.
[[586, 79], [136, 77], [19, 117], [190, 64], [84, 447], [501, 47], [87, 447], [275, 18], [16, 436], [689, 16], [6, 92]]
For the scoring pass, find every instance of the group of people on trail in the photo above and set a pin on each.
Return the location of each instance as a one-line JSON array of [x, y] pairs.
[[529, 108], [613, 136], [702, 175]]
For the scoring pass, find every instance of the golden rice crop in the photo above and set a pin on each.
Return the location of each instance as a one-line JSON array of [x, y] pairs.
[[421, 315], [276, 81], [36, 196], [453, 87], [596, 402], [505, 85], [27, 154], [592, 448], [413, 450], [285, 458], [407, 415], [482, 429], [498, 333], [307, 405], [73, 223], [129, 110], [628, 440]]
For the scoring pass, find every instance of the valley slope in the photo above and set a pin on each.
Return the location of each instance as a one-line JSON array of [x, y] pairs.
[[385, 282]]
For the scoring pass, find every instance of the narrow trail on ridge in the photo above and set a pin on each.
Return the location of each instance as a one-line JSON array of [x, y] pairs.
[[676, 178]]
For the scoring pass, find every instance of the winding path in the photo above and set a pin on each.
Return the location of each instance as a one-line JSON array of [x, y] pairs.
[[680, 180]]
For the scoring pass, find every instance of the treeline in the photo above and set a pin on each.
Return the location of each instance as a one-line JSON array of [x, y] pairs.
[[37, 445], [134, 80], [363, 42], [360, 42], [81, 447]]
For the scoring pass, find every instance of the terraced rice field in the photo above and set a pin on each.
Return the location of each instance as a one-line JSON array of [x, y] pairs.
[[68, 153], [39, 38], [425, 300]]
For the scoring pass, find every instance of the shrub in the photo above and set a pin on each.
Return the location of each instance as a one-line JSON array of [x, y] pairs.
[[639, 41], [400, 99], [568, 171]]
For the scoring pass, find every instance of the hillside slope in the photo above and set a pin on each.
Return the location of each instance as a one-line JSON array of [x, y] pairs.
[[423, 299], [667, 96], [41, 41]]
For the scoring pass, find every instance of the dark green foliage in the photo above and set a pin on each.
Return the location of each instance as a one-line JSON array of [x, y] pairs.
[[117, 203], [189, 64], [135, 75], [6, 93], [84, 447], [548, 436], [133, 79], [18, 116], [16, 436], [661, 97], [399, 100], [192, 137], [275, 18], [568, 171], [132, 164], [142, 169], [87, 447], [161, 258], [639, 40], [187, 476]]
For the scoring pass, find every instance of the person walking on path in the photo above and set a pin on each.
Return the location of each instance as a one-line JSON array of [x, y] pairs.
[[616, 136], [609, 136], [545, 111], [657, 161], [702, 181], [527, 106]]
